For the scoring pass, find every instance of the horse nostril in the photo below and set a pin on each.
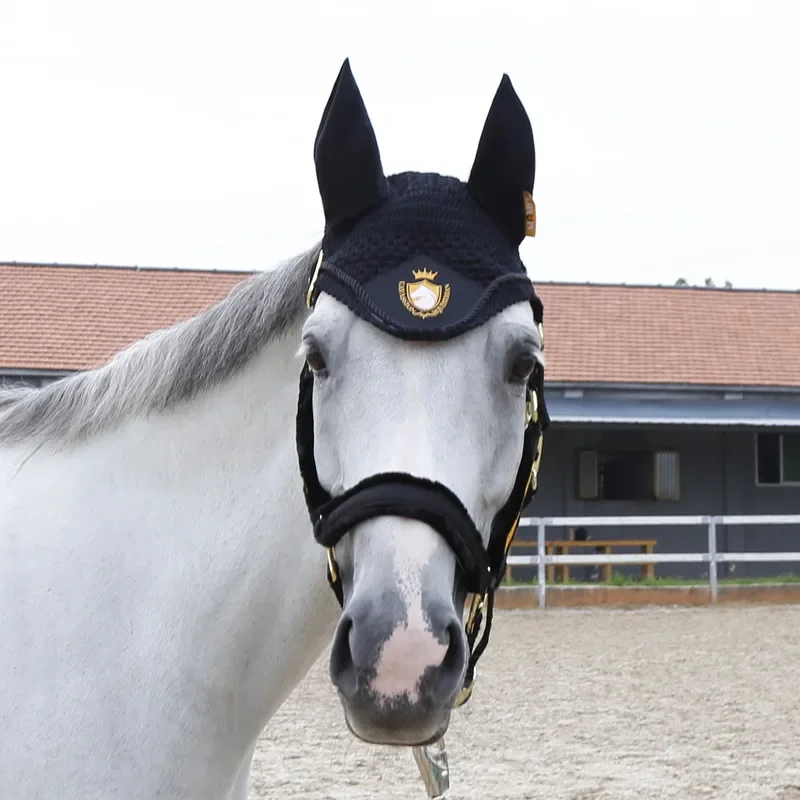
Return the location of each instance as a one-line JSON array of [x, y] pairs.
[[456, 648], [450, 673], [342, 668]]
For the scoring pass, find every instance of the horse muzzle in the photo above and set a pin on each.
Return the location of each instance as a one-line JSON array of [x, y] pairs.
[[398, 681]]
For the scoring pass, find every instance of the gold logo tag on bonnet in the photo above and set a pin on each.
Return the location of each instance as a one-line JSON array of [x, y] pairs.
[[422, 297], [530, 214]]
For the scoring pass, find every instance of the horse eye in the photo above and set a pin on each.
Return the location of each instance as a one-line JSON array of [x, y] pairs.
[[522, 368], [315, 361]]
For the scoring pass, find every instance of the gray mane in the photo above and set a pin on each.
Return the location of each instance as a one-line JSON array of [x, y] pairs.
[[168, 366]]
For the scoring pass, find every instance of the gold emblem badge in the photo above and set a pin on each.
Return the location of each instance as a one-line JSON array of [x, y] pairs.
[[422, 297]]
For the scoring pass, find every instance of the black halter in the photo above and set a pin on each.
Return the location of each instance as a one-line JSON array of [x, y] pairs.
[[399, 494]]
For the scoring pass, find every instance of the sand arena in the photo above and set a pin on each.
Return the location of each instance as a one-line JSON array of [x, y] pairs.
[[592, 704]]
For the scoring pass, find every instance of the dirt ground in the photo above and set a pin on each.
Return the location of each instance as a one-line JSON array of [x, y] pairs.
[[591, 704]]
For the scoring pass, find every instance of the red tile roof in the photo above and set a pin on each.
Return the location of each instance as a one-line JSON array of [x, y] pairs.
[[671, 335], [71, 318], [68, 318]]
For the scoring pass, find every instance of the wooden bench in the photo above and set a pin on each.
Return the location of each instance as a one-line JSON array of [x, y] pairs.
[[605, 546]]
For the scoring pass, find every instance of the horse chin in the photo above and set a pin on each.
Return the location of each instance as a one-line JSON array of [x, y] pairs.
[[398, 726]]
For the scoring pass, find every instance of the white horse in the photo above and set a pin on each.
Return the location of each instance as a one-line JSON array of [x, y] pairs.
[[160, 590]]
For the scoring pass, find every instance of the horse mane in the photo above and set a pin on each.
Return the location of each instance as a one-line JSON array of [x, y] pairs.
[[167, 367]]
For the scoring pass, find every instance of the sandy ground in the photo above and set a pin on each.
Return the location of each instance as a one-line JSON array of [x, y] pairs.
[[581, 705]]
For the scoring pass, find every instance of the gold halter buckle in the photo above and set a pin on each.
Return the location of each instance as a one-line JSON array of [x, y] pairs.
[[466, 692], [536, 462], [476, 607], [532, 408], [333, 568]]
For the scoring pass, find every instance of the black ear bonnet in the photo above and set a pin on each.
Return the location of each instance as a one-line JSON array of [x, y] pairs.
[[423, 256]]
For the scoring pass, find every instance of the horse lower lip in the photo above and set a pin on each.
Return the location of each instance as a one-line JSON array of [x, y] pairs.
[[405, 742], [376, 726], [397, 739]]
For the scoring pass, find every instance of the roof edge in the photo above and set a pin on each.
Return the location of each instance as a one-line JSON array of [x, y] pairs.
[[665, 286], [128, 267], [676, 387], [35, 372]]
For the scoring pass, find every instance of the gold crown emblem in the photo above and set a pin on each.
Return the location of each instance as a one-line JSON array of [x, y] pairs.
[[421, 274]]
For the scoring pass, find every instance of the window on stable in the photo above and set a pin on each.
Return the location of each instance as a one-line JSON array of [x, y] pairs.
[[777, 459], [628, 475]]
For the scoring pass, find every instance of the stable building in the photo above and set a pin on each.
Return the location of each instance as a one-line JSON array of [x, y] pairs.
[[674, 401], [663, 400]]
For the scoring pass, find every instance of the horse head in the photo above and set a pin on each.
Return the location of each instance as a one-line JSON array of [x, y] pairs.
[[421, 408]]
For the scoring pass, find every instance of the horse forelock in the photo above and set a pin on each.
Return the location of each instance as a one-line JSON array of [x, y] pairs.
[[167, 367]]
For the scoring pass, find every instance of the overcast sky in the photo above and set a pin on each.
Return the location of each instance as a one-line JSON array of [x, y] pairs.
[[180, 134]]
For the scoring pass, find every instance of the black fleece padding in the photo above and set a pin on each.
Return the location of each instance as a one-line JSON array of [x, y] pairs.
[[399, 494]]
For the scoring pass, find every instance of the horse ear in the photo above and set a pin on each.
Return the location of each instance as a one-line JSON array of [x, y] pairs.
[[349, 171], [505, 164]]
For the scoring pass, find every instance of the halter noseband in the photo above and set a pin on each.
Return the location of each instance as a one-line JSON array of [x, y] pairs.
[[400, 494]]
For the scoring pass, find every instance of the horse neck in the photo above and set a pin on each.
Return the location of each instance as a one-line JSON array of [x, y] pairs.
[[190, 549]]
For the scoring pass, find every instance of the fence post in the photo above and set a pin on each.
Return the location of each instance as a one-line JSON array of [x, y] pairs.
[[540, 588], [712, 557]]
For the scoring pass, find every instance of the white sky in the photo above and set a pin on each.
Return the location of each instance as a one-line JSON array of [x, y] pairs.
[[178, 133]]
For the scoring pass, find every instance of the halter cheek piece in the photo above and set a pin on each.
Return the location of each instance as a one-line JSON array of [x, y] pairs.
[[399, 494]]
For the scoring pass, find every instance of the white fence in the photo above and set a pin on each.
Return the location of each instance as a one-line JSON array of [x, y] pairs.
[[711, 557]]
